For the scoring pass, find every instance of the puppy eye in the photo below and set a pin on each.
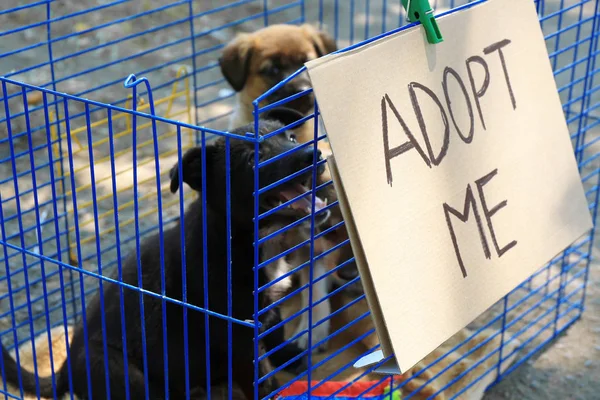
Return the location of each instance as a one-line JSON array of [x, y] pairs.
[[271, 71], [293, 138], [251, 158]]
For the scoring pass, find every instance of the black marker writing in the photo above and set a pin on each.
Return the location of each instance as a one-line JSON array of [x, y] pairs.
[[490, 213], [478, 93], [464, 217], [390, 153], [417, 108], [498, 46], [419, 93], [450, 71]]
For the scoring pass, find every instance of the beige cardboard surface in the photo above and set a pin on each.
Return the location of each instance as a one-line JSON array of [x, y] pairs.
[[528, 183], [359, 255]]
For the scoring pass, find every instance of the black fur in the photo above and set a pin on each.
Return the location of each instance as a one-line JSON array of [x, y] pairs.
[[242, 233]]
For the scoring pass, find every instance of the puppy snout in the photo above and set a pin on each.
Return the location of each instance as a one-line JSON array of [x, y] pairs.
[[302, 82], [302, 87], [308, 155], [348, 272]]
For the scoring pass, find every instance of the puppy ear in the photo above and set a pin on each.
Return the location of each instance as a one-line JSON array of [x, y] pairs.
[[191, 169], [283, 114], [322, 41], [235, 61]]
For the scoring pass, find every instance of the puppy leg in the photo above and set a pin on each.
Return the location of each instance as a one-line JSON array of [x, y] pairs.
[[275, 339], [319, 311], [116, 375], [243, 372], [322, 310], [303, 323]]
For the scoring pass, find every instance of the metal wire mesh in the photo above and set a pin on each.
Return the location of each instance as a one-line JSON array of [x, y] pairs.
[[84, 178]]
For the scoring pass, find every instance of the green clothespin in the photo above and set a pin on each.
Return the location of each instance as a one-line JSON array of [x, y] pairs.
[[421, 10]]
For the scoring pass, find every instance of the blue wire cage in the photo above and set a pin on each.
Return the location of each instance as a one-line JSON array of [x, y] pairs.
[[85, 153]]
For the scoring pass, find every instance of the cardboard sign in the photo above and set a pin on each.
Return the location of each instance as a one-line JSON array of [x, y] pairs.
[[454, 166]]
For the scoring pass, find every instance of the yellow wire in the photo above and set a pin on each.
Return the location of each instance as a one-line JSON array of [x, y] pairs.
[[142, 106]]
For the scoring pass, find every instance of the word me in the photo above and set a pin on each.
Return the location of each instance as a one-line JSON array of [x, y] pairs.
[[433, 157]]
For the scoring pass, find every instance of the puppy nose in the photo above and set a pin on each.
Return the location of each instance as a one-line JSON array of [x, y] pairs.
[[348, 271], [302, 87], [309, 155]]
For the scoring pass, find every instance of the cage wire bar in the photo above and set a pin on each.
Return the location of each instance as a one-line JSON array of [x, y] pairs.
[[84, 172]]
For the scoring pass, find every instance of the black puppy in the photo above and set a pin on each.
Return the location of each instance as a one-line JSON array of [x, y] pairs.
[[242, 285]]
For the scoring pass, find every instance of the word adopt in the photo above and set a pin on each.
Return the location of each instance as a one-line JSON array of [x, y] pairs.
[[478, 92], [432, 159]]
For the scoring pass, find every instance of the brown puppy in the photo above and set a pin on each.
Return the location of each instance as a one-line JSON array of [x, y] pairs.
[[255, 62], [331, 249], [338, 236], [297, 262], [252, 64]]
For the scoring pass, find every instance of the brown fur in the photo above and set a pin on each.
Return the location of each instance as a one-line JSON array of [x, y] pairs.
[[276, 246], [42, 353], [221, 392], [242, 61], [341, 277], [246, 57]]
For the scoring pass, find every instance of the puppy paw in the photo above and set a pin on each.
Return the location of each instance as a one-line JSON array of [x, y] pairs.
[[319, 334], [287, 353], [302, 341]]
